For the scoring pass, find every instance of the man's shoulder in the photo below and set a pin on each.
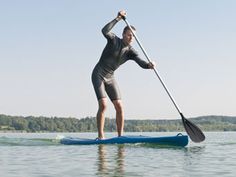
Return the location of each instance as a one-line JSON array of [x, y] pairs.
[[130, 47], [113, 37]]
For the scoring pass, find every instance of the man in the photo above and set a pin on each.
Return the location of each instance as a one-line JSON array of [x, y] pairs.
[[116, 52]]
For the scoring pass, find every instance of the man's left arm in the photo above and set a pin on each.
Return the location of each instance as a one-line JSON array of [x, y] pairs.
[[142, 63]]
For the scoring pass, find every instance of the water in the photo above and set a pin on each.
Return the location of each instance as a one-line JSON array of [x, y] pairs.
[[41, 155]]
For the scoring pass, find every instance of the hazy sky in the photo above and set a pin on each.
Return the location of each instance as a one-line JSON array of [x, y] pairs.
[[48, 50]]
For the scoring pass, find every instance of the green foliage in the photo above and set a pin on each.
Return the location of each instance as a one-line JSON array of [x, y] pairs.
[[88, 124]]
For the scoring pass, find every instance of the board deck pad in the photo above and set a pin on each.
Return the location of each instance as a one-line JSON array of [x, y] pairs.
[[178, 140]]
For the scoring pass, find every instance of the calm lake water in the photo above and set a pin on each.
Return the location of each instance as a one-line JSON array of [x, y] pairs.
[[40, 155]]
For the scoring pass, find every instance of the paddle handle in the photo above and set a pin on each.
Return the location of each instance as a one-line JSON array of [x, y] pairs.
[[154, 69]]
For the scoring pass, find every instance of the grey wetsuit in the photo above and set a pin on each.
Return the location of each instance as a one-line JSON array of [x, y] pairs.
[[114, 54]]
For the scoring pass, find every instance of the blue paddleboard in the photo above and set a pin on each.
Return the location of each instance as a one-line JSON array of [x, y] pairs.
[[178, 140]]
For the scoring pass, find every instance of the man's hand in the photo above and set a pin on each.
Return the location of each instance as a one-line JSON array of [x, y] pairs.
[[151, 65], [121, 14]]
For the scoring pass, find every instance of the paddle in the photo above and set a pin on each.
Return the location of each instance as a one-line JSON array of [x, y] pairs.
[[193, 131]]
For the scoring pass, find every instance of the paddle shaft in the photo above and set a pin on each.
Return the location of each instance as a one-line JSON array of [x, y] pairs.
[[159, 77]]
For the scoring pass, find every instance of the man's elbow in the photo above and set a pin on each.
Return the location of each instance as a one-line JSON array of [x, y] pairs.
[[104, 31]]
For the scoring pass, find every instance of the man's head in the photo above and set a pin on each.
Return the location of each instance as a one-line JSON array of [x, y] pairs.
[[128, 35]]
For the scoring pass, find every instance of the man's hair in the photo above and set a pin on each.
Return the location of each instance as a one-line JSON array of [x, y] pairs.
[[127, 28]]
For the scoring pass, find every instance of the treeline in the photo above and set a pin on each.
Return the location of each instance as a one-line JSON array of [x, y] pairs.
[[88, 124]]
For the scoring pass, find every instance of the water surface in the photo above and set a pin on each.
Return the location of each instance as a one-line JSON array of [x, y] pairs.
[[41, 155]]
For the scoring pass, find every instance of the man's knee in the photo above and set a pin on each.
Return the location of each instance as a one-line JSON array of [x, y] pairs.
[[102, 104], [118, 105]]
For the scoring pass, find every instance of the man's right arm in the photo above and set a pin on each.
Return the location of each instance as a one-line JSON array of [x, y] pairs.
[[106, 30]]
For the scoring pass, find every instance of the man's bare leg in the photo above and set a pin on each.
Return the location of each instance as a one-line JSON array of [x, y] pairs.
[[102, 104], [119, 116]]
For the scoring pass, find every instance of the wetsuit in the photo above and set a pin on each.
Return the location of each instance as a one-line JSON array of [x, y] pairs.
[[114, 54]]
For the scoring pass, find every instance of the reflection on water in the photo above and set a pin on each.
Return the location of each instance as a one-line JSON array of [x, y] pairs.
[[193, 155], [192, 150], [104, 163], [113, 160]]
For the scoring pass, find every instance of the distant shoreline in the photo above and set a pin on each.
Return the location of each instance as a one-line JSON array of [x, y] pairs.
[[19, 124]]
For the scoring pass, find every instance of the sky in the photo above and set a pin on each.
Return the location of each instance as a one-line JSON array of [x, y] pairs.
[[48, 50]]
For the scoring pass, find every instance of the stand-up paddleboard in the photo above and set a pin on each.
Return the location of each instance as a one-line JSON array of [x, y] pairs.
[[178, 140]]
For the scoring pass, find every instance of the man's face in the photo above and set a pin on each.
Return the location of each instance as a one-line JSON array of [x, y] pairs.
[[128, 37]]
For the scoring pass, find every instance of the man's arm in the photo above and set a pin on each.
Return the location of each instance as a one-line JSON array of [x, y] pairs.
[[142, 63], [106, 30]]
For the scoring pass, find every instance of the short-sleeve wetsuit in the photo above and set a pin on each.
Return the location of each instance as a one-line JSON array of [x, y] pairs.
[[114, 54]]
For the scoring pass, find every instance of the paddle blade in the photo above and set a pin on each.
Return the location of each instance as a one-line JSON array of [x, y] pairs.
[[194, 132]]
